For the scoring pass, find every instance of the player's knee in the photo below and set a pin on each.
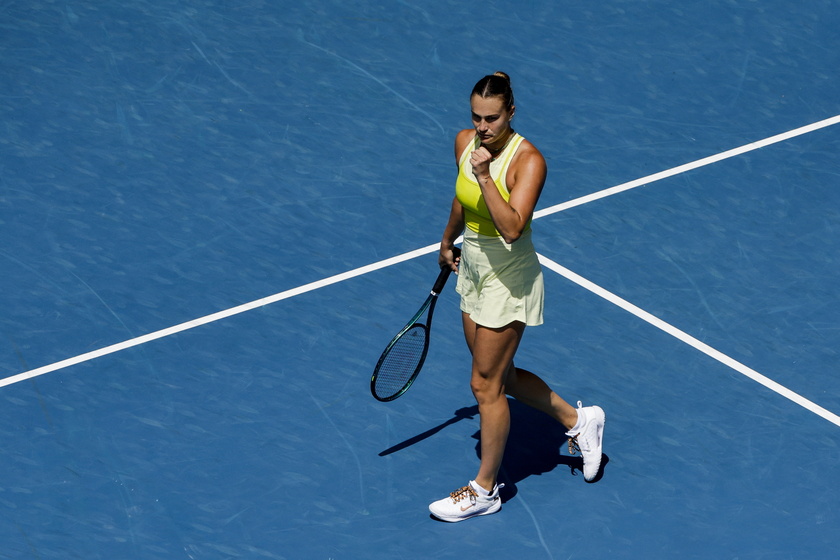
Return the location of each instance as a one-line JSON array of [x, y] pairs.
[[486, 387]]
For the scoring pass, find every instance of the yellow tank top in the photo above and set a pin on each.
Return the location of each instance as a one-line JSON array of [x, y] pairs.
[[476, 214]]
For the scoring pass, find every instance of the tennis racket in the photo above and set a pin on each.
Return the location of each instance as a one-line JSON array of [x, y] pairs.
[[402, 359]]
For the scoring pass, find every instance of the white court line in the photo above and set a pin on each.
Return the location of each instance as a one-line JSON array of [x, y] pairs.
[[687, 167], [218, 316], [690, 340], [404, 257]]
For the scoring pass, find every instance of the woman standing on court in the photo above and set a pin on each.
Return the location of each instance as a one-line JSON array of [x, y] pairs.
[[500, 177]]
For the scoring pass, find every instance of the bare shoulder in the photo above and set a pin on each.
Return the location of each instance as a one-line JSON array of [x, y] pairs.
[[462, 139], [529, 151], [529, 157]]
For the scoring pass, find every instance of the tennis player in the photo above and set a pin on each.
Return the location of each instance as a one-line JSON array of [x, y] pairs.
[[500, 177]]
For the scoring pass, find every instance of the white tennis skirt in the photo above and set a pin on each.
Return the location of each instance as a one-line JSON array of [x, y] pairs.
[[500, 282]]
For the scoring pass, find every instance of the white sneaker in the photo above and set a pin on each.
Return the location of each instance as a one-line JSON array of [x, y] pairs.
[[466, 502], [589, 440]]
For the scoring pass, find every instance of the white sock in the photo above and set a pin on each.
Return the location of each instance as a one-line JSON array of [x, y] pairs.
[[580, 421], [478, 488]]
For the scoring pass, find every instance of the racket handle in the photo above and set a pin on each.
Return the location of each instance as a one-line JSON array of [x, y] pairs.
[[444, 274]]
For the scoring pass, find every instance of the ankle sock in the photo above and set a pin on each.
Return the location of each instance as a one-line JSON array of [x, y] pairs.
[[479, 489], [581, 420]]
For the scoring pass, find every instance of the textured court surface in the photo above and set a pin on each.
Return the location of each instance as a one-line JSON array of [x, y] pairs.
[[162, 161]]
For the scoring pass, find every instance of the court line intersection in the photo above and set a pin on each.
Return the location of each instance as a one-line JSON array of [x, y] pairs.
[[546, 262]]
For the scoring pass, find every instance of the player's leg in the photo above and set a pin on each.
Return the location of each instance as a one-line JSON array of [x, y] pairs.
[[530, 389], [493, 351]]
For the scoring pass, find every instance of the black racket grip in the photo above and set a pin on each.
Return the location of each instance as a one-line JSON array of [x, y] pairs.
[[444, 274]]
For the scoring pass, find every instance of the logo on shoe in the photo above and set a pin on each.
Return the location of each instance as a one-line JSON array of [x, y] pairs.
[[465, 508]]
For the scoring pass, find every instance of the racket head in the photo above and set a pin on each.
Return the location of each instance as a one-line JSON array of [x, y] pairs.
[[400, 363]]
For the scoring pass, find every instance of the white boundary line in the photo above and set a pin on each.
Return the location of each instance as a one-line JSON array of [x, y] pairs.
[[217, 316], [687, 167], [690, 340], [430, 249]]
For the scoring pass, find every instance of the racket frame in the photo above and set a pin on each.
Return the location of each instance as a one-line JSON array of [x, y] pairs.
[[429, 305]]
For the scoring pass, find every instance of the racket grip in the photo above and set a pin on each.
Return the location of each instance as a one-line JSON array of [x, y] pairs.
[[444, 274]]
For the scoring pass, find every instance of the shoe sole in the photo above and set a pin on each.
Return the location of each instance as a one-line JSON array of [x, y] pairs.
[[600, 444], [450, 519]]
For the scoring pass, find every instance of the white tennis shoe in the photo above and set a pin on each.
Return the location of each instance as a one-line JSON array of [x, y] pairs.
[[589, 439], [466, 502]]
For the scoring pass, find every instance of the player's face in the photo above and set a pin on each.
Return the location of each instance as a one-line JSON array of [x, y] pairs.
[[491, 120]]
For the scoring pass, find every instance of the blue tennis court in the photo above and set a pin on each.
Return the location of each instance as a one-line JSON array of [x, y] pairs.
[[214, 217]]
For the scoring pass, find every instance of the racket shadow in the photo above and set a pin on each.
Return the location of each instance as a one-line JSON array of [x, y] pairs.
[[468, 412]]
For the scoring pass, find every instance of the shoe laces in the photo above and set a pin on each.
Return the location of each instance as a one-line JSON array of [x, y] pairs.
[[464, 493], [573, 446], [575, 443]]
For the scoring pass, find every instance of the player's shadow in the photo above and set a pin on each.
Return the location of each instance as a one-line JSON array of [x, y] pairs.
[[537, 444]]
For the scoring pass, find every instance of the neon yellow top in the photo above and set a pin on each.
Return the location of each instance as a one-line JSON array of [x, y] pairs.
[[476, 214]]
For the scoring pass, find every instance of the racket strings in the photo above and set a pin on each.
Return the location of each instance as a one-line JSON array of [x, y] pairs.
[[401, 362]]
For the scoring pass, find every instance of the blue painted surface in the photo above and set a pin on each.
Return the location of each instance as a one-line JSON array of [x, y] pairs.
[[166, 160]]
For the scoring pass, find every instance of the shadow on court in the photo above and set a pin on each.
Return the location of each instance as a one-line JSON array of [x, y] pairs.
[[535, 446]]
